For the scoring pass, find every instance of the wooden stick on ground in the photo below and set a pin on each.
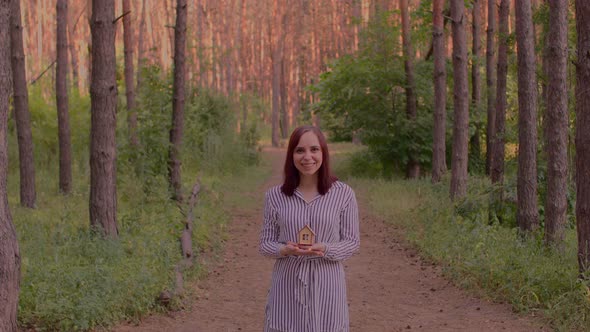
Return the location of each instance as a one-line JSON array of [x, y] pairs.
[[186, 244]]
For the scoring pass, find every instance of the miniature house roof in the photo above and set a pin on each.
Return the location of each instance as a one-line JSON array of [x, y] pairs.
[[307, 228]]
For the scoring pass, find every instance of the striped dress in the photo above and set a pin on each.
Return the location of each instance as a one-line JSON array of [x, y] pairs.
[[308, 294]]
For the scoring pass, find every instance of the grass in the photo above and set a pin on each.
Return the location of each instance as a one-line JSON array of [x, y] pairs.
[[491, 260], [73, 280]]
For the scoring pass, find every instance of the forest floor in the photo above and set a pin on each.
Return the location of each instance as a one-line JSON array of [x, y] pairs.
[[390, 288]]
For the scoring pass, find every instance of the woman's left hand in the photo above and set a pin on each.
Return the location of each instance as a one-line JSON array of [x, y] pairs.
[[318, 248]]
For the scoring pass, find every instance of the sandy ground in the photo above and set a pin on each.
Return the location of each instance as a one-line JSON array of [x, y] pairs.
[[389, 287]]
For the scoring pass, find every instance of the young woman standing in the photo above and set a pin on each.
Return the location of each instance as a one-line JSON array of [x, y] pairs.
[[308, 288]]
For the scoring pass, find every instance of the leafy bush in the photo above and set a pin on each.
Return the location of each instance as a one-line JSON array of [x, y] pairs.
[[73, 280], [209, 142], [490, 258]]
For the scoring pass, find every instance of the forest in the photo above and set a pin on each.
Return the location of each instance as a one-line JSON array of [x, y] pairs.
[[133, 131]]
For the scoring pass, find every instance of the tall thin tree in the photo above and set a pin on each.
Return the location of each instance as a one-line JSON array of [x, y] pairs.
[[475, 75], [413, 167], [277, 64], [461, 103], [583, 134], [498, 144], [141, 43], [527, 215], [557, 124], [103, 96], [28, 196], [9, 251], [439, 162], [178, 100], [490, 82], [61, 94], [129, 79]]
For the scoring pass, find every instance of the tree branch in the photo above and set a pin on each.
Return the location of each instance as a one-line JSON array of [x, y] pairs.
[[42, 73], [122, 15]]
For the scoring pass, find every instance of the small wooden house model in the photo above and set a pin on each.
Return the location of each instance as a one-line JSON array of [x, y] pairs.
[[306, 236]]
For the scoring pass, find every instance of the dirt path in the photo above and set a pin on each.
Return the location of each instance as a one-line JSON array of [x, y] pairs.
[[389, 287]]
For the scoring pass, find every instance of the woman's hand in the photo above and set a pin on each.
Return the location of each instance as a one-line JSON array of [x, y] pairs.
[[293, 249]]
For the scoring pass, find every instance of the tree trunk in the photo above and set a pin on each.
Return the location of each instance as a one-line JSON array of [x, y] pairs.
[[141, 43], [276, 79], [439, 162], [178, 100], [9, 252], [461, 103], [527, 213], [103, 95], [583, 134], [167, 20], [498, 144], [89, 6], [490, 83], [557, 125], [129, 84], [284, 108], [71, 28], [21, 110], [498, 140], [283, 78], [475, 76], [61, 93], [413, 167]]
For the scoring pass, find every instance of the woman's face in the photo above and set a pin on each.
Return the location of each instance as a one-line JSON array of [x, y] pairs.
[[307, 155]]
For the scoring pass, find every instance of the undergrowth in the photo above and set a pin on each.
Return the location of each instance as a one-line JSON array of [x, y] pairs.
[[72, 279], [491, 259]]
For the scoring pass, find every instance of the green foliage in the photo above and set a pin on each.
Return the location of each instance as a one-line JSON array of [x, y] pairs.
[[73, 280], [364, 94], [209, 139], [490, 258], [44, 129]]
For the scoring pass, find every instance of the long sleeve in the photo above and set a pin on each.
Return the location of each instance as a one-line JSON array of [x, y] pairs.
[[269, 236], [349, 233]]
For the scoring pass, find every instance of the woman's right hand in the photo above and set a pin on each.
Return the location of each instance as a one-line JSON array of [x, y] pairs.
[[292, 249]]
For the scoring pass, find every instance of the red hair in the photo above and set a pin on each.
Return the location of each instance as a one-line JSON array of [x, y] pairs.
[[325, 177]]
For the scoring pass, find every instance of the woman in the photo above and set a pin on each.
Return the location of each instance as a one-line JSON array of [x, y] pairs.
[[308, 290]]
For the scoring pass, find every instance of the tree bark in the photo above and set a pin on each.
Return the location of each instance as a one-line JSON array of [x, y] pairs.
[[583, 134], [178, 101], [129, 84], [490, 83], [498, 144], [439, 162], [103, 95], [283, 98], [71, 28], [276, 79], [61, 93], [141, 43], [28, 196], [413, 167], [527, 215], [89, 6], [475, 75], [461, 104], [557, 125], [74, 60], [9, 251]]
